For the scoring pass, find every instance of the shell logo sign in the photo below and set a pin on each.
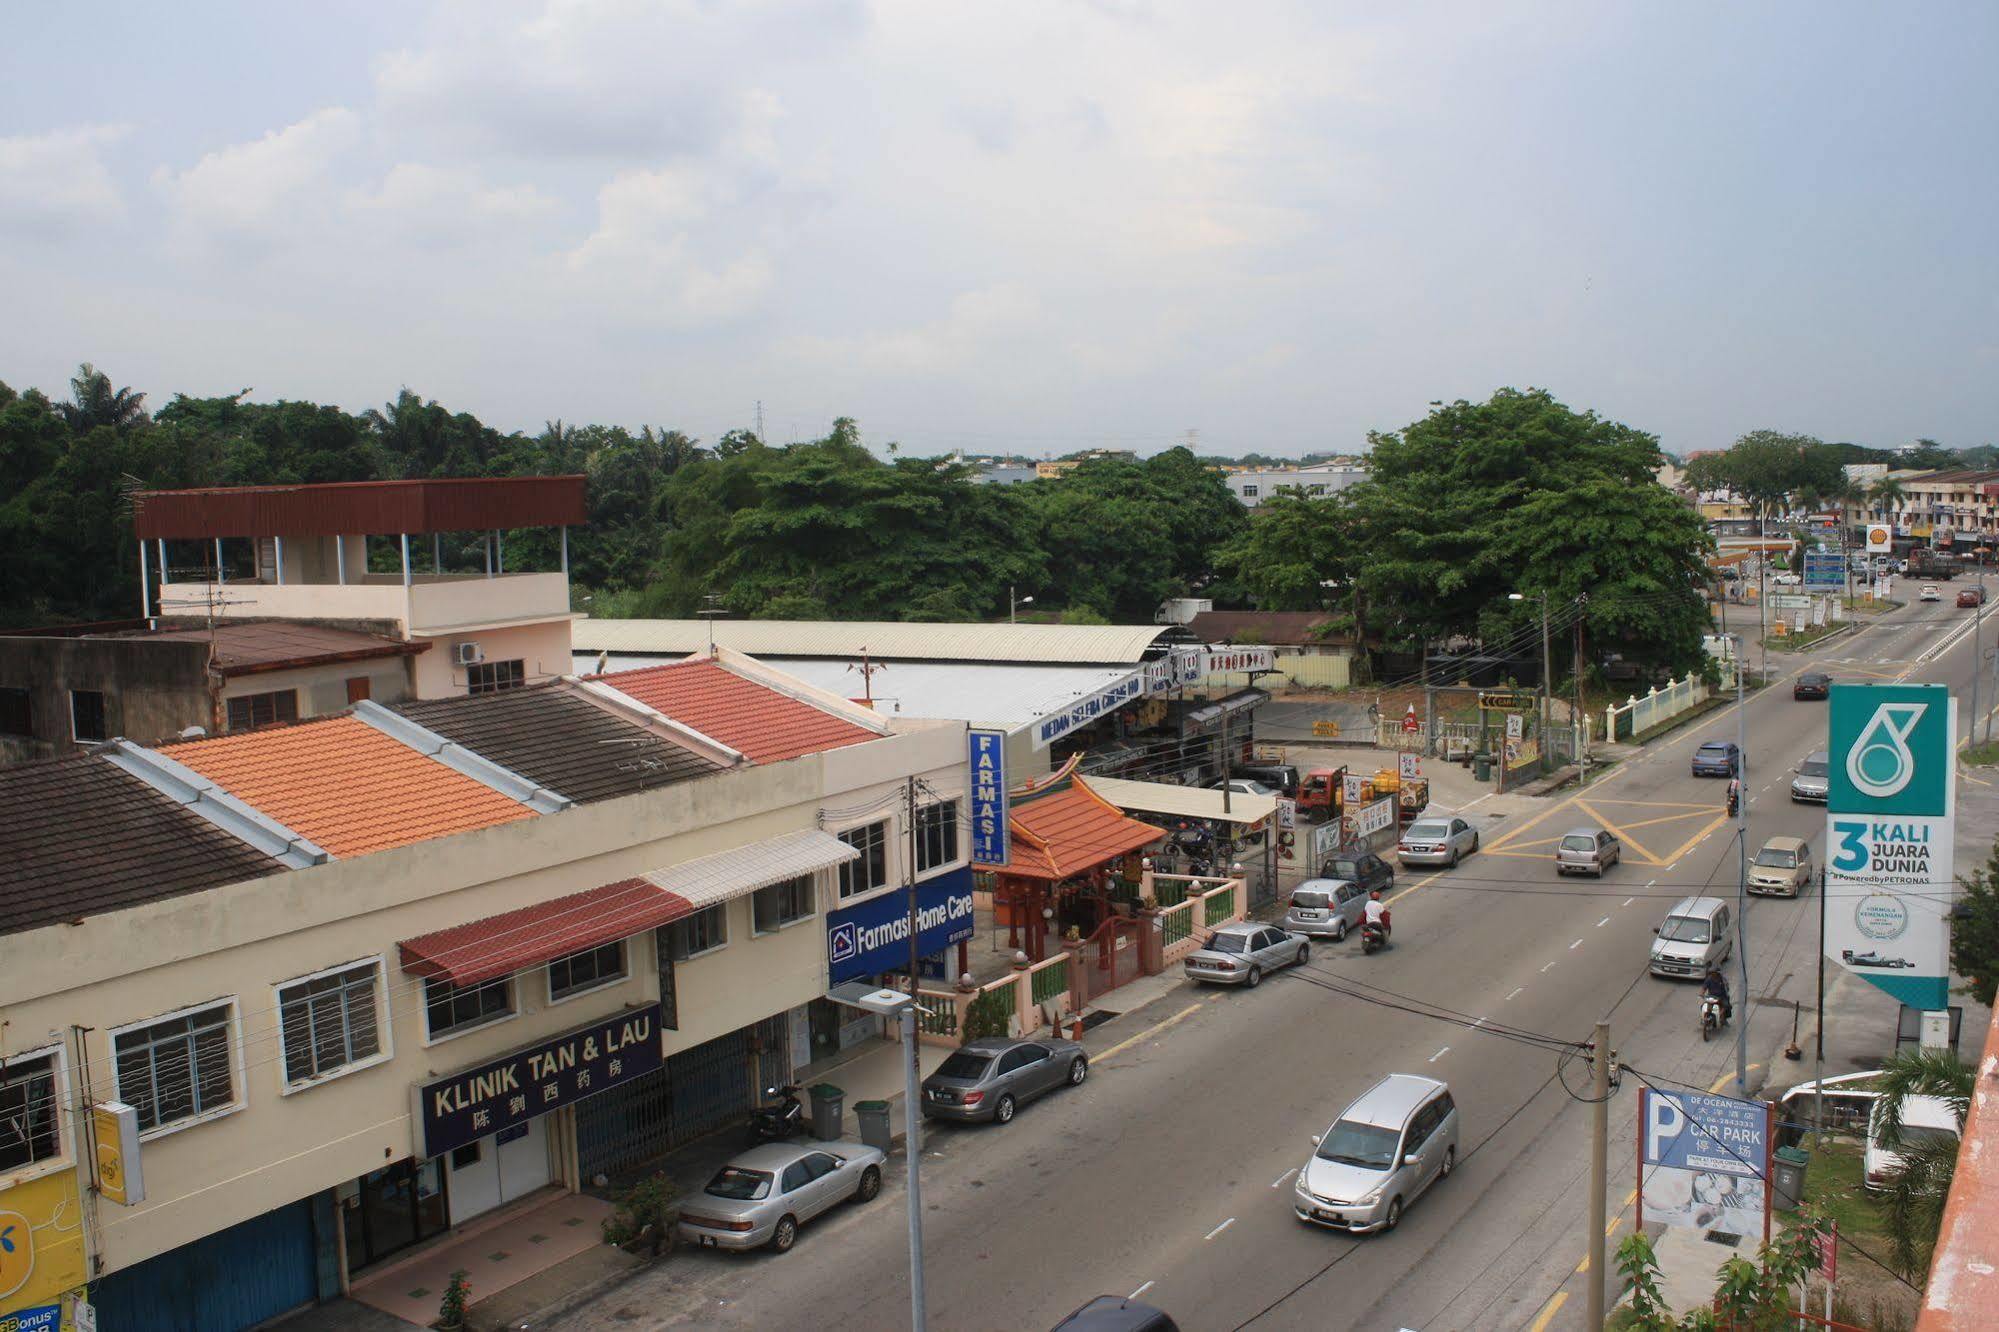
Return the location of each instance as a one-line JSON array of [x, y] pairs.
[[1880, 538]]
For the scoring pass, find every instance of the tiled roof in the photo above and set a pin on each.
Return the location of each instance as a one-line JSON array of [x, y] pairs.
[[81, 838], [557, 740], [245, 649], [1069, 830], [345, 785], [482, 950], [761, 722]]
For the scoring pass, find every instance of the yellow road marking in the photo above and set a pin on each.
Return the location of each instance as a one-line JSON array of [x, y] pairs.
[[1689, 844], [1512, 835], [1152, 1030], [1548, 1311], [1414, 886], [1727, 1078]]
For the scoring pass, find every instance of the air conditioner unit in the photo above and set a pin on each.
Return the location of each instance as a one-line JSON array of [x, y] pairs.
[[469, 654]]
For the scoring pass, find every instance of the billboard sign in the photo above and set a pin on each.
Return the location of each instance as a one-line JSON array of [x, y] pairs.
[[1891, 816], [1704, 1162], [1232, 661], [1825, 570], [873, 936], [1081, 713], [986, 757], [1880, 538]]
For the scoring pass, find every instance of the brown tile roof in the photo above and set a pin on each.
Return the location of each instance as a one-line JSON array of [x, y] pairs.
[[1069, 830], [761, 722], [81, 838], [345, 785], [245, 649], [1271, 628], [557, 740]]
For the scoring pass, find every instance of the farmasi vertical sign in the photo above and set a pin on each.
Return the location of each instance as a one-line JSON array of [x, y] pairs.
[[1890, 837]]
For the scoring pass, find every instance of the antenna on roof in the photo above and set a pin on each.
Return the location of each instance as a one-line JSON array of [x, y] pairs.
[[867, 670], [711, 612]]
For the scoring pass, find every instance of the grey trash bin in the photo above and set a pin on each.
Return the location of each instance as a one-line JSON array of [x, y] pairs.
[[829, 1111], [1788, 1174], [875, 1131], [1482, 767]]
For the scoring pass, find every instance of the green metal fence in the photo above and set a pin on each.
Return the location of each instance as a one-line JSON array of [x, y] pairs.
[[1049, 982], [1170, 892], [1177, 924], [936, 1014], [1220, 907]]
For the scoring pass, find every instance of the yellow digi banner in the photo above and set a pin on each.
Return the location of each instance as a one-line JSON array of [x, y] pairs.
[[41, 1249]]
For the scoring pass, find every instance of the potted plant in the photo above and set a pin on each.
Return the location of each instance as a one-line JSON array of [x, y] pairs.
[[644, 1220], [451, 1311]]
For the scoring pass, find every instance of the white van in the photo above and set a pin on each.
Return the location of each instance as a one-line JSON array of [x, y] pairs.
[[1694, 936], [1924, 1118]]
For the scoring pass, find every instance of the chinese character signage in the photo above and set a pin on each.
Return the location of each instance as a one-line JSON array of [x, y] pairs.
[[873, 936], [1703, 1162], [515, 1088], [1176, 670], [987, 760], [1238, 660], [1890, 845]]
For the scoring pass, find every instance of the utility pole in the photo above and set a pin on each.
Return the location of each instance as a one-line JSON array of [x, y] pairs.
[[913, 1077], [1547, 680], [1599, 1174], [1977, 611], [1818, 1040], [1429, 701], [1742, 883], [1581, 720]]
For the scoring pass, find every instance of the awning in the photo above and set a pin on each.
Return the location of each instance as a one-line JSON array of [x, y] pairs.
[[1240, 701], [1186, 802], [496, 946]]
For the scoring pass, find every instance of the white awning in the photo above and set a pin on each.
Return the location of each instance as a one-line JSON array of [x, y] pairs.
[[1187, 802], [706, 880]]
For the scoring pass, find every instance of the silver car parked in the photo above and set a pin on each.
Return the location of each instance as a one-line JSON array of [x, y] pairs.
[[1437, 840], [1325, 908], [989, 1078], [1240, 954], [767, 1193], [1399, 1138]]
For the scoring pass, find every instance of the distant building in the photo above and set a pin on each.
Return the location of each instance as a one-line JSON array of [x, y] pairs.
[[1255, 485], [1003, 474], [1064, 466]]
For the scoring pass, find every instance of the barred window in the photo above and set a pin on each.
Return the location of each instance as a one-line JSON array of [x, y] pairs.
[[329, 1022], [449, 1009], [177, 1068], [780, 904], [703, 932], [30, 1115], [587, 970], [871, 870], [490, 677], [251, 711], [936, 835]]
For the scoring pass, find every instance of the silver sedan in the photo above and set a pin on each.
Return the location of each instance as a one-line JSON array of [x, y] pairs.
[[1240, 954], [987, 1078], [1435, 840], [767, 1193]]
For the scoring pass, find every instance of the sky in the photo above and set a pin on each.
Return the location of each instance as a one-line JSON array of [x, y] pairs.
[[1035, 226]]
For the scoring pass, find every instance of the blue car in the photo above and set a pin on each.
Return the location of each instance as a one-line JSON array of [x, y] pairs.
[[1718, 758]]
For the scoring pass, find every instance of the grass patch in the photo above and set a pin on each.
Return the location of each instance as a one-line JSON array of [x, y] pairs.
[[1798, 642], [1833, 1184], [1980, 755]]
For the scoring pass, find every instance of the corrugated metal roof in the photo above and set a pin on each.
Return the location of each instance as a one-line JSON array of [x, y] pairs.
[[1186, 802], [246, 649], [1071, 644], [707, 880], [449, 504], [496, 946]]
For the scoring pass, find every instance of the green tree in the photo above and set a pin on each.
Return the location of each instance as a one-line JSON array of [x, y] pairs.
[[1974, 931], [1920, 1184], [94, 402]]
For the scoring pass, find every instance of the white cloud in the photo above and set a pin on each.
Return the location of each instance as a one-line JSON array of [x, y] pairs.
[[48, 181], [266, 183], [435, 205], [668, 246], [979, 324]]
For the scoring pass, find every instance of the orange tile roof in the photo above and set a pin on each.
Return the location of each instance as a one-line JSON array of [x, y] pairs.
[[1070, 830], [346, 785], [761, 722]]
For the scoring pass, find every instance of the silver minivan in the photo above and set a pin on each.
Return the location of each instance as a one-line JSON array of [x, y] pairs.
[[1693, 938], [1397, 1139], [1587, 851], [1325, 908]]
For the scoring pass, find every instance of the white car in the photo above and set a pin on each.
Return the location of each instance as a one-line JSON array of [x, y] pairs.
[[1930, 593], [1785, 579]]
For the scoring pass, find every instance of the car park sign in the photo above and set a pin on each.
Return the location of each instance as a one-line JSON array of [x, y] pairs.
[[1890, 840], [1704, 1162]]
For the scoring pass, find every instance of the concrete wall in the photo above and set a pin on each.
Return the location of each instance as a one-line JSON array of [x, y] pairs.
[[543, 648], [152, 690], [323, 689]]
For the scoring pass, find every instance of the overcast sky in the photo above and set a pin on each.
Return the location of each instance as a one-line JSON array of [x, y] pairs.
[[1029, 224]]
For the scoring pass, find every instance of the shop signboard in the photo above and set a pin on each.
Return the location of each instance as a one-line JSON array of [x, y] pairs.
[[1411, 767], [873, 936], [1891, 815], [1176, 670], [548, 1075], [1880, 539], [1352, 789], [41, 1248], [120, 1178], [1374, 818], [1234, 661], [1703, 1162], [1086, 710], [986, 757], [1790, 601]]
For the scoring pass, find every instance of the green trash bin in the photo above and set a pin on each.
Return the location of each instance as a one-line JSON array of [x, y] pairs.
[[1481, 767], [1787, 1173], [829, 1111], [875, 1129]]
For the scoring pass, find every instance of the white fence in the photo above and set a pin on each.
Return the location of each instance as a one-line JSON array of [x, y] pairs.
[[1635, 716]]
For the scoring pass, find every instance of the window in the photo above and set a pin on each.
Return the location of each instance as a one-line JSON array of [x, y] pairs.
[[588, 970], [250, 711], [86, 715], [777, 906], [871, 870], [936, 835], [329, 1021], [703, 932], [449, 1009], [30, 1111], [490, 677], [16, 716], [359, 687], [177, 1068], [464, 1158], [1249, 492]]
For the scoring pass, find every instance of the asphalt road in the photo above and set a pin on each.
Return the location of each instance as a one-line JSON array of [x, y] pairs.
[[1169, 1172]]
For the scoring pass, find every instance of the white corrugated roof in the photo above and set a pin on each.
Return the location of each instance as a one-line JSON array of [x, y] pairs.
[[1004, 696], [1072, 644], [707, 880], [1188, 802]]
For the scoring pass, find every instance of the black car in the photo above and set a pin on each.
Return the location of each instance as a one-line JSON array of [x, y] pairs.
[[1812, 684], [1117, 1313], [1368, 870], [1718, 758], [1279, 777]]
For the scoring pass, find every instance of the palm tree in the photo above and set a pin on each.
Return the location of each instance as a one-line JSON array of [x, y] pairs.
[[1920, 1185], [96, 403], [1885, 494]]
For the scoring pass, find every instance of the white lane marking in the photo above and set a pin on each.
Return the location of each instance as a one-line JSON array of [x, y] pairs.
[[1219, 1229], [1577, 944], [1605, 921], [1544, 970], [1140, 1291], [1629, 900], [1277, 1183], [1649, 883], [1516, 992], [1440, 1054]]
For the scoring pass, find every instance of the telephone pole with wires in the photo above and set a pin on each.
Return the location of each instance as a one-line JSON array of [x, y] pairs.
[[1599, 1172]]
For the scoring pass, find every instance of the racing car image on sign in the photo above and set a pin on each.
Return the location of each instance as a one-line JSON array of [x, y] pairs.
[[1854, 959]]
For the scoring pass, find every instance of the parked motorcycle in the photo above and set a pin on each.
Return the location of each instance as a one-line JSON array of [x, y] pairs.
[[1373, 937], [1711, 1017], [777, 1120]]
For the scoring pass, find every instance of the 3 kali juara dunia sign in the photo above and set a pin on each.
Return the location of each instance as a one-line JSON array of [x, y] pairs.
[[1890, 837]]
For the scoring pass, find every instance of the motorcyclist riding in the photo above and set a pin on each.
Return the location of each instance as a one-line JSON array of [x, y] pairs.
[[1734, 795], [1377, 913], [1717, 985]]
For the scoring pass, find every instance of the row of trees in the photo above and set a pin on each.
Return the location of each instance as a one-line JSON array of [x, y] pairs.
[[1776, 472]]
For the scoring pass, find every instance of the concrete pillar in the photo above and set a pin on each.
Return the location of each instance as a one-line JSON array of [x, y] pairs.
[[278, 557], [437, 552], [565, 549], [220, 576], [340, 557], [406, 559], [145, 586]]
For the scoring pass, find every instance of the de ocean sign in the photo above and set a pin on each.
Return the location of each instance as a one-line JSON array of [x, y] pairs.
[[1890, 837]]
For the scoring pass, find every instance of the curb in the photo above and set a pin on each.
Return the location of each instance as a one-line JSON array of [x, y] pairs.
[[551, 1314]]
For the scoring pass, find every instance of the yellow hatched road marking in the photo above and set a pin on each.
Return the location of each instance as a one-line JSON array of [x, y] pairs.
[[1548, 1311]]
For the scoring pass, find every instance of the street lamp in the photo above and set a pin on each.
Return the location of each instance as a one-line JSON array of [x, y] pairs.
[[895, 1003], [1013, 604]]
